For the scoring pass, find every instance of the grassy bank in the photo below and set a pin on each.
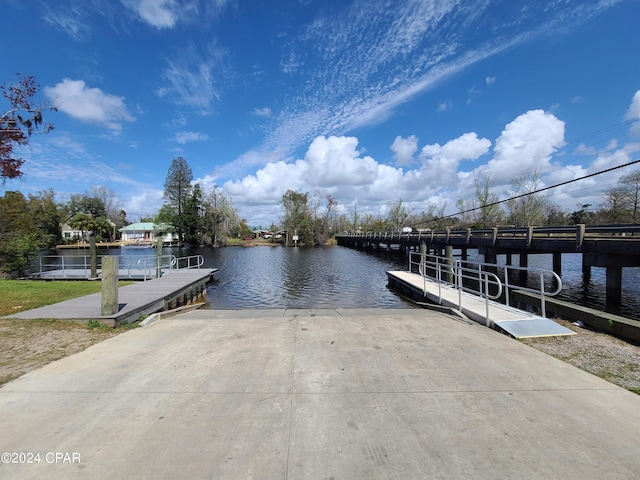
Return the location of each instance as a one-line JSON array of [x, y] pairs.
[[29, 344], [19, 295]]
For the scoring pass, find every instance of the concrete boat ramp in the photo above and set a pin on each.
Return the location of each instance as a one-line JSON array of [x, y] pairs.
[[316, 394], [139, 299]]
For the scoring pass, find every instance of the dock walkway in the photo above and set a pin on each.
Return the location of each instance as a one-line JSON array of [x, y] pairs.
[[517, 323], [136, 300]]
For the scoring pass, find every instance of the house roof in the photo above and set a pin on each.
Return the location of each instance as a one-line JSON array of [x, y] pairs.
[[139, 227]]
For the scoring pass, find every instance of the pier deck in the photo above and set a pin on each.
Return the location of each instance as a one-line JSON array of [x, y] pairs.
[[135, 300], [517, 323]]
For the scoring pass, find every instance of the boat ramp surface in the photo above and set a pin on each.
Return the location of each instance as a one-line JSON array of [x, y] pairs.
[[136, 300], [317, 394]]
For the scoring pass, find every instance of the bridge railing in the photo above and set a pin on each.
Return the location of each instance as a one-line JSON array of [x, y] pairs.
[[576, 232], [487, 280]]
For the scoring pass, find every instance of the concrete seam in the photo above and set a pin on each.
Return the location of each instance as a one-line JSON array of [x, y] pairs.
[[292, 393]]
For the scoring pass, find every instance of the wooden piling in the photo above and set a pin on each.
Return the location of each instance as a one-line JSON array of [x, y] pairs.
[[93, 256], [109, 303]]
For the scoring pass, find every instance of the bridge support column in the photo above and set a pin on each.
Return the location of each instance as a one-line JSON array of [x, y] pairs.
[[557, 263], [614, 286], [586, 270], [509, 258], [449, 254], [524, 260], [490, 256]]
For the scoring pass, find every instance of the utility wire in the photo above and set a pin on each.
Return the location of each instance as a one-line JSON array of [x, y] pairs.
[[536, 191]]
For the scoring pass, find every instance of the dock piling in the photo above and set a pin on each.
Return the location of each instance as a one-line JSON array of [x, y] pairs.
[[109, 302]]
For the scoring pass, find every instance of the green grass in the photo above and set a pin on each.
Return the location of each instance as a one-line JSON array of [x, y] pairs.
[[20, 295]]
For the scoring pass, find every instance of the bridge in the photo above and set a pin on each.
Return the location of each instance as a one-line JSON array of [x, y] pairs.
[[613, 247]]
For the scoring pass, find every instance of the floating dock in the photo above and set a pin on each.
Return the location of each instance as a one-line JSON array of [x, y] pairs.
[[516, 323]]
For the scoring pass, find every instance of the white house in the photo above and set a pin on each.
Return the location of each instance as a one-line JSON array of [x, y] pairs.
[[147, 233]]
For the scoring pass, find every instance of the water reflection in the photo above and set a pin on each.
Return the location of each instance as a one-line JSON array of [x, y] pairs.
[[338, 277], [277, 277]]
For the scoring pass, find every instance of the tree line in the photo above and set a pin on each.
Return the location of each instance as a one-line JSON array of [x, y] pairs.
[[525, 205]]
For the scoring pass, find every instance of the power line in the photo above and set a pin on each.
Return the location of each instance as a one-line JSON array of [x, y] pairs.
[[538, 191]]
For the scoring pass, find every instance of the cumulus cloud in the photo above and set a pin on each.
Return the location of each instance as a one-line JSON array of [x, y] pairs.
[[335, 161], [526, 145], [90, 105], [144, 204], [634, 110], [441, 161], [331, 165], [404, 149], [634, 114]]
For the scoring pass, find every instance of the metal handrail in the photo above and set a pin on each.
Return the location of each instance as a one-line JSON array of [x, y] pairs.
[[192, 262], [479, 272], [445, 267], [154, 263], [150, 265]]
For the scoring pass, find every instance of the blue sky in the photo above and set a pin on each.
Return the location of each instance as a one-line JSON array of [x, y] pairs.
[[368, 101]]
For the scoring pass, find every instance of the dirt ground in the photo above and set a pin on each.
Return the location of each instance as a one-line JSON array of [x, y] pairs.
[[26, 345], [608, 357]]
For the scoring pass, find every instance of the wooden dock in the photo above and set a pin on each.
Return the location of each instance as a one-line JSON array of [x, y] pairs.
[[515, 322], [135, 301]]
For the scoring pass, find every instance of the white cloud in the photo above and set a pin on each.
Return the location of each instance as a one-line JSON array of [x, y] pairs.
[[186, 137], [194, 78], [634, 114], [70, 20], [90, 105], [370, 57], [335, 161], [441, 161], [262, 112], [157, 13], [404, 149], [444, 106], [332, 165], [144, 204], [526, 145], [634, 109]]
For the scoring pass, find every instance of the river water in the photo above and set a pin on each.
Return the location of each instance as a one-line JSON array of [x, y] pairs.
[[339, 277], [319, 277]]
